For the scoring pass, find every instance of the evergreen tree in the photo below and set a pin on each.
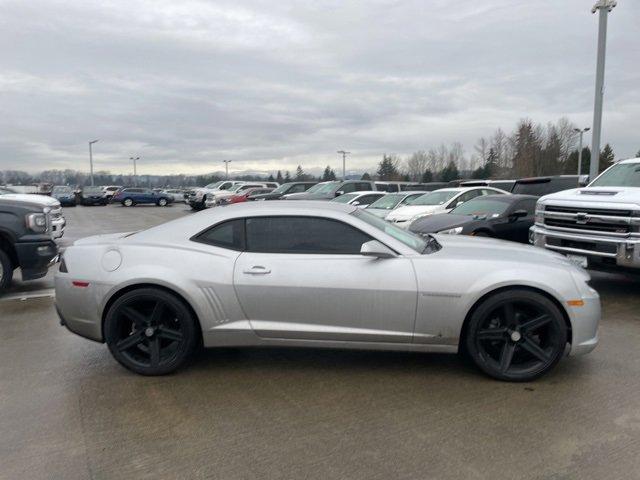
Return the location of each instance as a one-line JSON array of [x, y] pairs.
[[387, 169], [571, 165], [638, 154], [287, 176], [450, 172], [606, 158], [328, 174], [271, 179], [365, 176], [279, 177], [427, 176], [300, 173]]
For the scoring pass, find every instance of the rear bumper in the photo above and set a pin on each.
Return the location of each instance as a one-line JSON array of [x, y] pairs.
[[35, 258], [601, 251]]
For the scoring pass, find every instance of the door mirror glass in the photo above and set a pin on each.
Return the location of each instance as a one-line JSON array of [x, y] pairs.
[[374, 248], [339, 192], [356, 203]]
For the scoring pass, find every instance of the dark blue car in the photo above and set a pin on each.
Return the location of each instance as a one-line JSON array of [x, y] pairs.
[[65, 195], [129, 197]]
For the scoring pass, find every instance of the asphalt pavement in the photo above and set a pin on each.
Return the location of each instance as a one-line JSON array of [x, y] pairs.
[[69, 411]]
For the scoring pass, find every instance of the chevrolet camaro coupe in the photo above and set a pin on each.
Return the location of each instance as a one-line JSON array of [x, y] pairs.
[[318, 274]]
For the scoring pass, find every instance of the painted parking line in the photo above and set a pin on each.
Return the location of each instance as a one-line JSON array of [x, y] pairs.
[[47, 292]]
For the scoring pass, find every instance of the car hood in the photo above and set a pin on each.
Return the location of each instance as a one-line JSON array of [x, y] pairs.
[[32, 198], [491, 249], [599, 195], [410, 211], [439, 222], [379, 212]]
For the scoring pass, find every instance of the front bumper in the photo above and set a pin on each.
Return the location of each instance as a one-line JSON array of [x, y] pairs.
[[35, 258], [584, 325], [57, 226], [602, 252]]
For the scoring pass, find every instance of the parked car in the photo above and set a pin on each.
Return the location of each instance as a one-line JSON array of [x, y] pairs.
[[92, 196], [507, 217], [320, 274], [245, 195], [359, 199], [285, 189], [597, 226], [58, 222], [438, 201], [26, 238], [197, 197], [65, 195], [506, 185], [384, 205], [129, 197], [540, 186], [332, 189], [222, 196], [177, 194], [424, 187], [110, 190]]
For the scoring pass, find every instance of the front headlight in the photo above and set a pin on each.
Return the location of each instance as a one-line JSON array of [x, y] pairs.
[[452, 231], [539, 215], [37, 222]]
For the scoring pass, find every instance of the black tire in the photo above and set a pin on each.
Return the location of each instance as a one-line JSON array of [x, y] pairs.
[[198, 206], [516, 335], [128, 202], [151, 332], [6, 271], [162, 202]]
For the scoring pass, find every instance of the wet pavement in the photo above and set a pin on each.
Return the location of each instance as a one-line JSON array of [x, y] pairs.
[[68, 411]]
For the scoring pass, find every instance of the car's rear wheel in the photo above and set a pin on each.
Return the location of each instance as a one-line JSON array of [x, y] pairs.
[[6, 271], [516, 335], [162, 202], [127, 202], [150, 331]]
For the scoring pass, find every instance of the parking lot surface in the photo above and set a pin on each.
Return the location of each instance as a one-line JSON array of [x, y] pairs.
[[68, 410]]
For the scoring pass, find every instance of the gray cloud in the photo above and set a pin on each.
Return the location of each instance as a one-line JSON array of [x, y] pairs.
[[270, 85]]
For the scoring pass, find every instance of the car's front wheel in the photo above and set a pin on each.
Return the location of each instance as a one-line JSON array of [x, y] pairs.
[[162, 202], [151, 331], [516, 335], [127, 202], [6, 271]]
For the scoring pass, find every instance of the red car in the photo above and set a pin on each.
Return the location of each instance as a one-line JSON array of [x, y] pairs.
[[246, 195]]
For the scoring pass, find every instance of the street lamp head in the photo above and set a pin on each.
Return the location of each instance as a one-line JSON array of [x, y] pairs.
[[587, 129], [94, 141], [608, 4]]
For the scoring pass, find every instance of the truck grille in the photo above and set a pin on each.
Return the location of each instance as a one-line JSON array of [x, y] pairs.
[[581, 219]]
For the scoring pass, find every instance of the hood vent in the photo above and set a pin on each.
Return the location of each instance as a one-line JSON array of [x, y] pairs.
[[597, 192]]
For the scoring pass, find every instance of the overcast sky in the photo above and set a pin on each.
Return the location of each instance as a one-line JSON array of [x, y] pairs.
[[185, 84]]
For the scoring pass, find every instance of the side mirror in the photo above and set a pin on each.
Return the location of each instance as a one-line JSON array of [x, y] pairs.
[[356, 203], [459, 203], [339, 192], [517, 214], [374, 248]]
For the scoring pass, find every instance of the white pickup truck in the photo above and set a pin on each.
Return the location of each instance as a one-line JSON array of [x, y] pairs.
[[597, 226]]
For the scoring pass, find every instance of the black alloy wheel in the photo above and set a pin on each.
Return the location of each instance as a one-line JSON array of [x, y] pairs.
[[6, 271], [150, 331], [516, 335]]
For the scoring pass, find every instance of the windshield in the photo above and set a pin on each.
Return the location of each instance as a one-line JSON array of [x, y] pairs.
[[215, 185], [61, 190], [327, 187], [411, 240], [346, 198], [434, 198], [481, 207], [92, 190], [388, 202], [620, 175]]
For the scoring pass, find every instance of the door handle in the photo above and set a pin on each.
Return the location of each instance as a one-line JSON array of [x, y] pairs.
[[257, 270]]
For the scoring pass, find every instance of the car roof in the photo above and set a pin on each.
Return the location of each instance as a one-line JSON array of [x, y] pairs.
[[628, 160], [507, 198]]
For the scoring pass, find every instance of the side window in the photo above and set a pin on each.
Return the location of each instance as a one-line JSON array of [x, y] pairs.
[[348, 188], [229, 234], [529, 205], [367, 199], [303, 235], [465, 197], [408, 198], [363, 187], [297, 188]]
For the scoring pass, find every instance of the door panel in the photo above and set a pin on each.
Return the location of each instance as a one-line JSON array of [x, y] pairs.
[[327, 297]]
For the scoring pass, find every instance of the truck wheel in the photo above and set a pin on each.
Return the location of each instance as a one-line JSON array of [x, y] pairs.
[[6, 271]]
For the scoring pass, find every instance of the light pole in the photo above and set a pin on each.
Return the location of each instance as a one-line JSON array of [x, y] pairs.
[[135, 170], [226, 168], [344, 163], [604, 6], [91, 159], [581, 131]]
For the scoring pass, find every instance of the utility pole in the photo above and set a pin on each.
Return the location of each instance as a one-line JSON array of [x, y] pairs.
[[581, 131], [344, 163], [135, 170], [226, 168], [604, 7], [91, 159]]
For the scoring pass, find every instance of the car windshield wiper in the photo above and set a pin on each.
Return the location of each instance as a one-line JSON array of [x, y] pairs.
[[432, 245]]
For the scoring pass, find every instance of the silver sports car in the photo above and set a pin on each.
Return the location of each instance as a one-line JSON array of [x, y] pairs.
[[320, 274]]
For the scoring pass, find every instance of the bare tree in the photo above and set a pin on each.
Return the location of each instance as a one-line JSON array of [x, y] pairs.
[[416, 165]]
